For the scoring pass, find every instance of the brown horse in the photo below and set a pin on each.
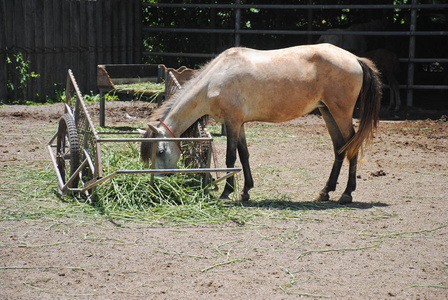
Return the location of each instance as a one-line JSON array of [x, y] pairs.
[[243, 85]]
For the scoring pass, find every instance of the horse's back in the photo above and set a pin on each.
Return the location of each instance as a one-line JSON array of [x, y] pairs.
[[283, 84], [282, 62]]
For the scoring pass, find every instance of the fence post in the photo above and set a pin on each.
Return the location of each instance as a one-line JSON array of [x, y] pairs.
[[237, 23], [2, 75], [412, 29], [3, 92]]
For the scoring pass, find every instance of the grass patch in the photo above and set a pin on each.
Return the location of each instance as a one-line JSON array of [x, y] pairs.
[[29, 191]]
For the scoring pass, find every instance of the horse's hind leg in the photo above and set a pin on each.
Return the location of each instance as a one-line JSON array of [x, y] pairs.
[[236, 139], [346, 197], [338, 142]]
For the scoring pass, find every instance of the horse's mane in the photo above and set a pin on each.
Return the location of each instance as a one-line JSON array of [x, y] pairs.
[[161, 112]]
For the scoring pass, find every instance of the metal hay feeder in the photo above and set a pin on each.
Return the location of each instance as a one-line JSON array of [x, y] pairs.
[[75, 149]]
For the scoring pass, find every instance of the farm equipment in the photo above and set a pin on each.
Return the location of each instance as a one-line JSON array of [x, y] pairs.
[[75, 148], [144, 80]]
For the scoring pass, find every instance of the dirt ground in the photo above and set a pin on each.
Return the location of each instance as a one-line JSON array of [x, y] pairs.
[[391, 243]]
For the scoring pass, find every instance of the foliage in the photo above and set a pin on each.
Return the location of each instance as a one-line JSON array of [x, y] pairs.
[[251, 19], [18, 75], [254, 19]]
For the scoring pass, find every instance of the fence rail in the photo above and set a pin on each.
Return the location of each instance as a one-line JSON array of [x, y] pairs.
[[237, 4], [238, 33]]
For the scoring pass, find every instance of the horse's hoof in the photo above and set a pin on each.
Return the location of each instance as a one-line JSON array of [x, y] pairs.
[[244, 197], [323, 197], [345, 199]]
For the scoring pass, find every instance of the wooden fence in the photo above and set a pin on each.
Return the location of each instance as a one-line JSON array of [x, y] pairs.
[[55, 35]]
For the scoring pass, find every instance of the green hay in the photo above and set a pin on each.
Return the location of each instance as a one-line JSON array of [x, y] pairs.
[[430, 285], [337, 250], [135, 191], [141, 88], [180, 198]]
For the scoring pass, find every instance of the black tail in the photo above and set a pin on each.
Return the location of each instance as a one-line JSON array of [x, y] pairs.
[[370, 103]]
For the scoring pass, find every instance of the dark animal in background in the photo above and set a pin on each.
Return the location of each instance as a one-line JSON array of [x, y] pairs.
[[387, 62]]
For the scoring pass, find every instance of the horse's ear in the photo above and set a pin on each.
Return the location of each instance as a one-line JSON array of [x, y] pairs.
[[153, 128], [141, 131]]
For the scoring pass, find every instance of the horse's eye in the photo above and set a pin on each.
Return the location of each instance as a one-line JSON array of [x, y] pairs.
[[160, 151]]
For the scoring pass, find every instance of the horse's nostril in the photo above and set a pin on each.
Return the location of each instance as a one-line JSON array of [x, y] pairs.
[[161, 151]]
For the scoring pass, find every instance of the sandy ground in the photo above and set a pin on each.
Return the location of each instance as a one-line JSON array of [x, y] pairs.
[[391, 243]]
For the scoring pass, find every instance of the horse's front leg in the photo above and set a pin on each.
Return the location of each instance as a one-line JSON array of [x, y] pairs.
[[244, 158], [232, 143]]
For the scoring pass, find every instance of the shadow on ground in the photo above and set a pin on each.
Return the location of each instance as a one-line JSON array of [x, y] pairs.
[[308, 205]]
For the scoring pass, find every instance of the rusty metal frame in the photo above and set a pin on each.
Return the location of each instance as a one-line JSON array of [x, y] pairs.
[[74, 107]]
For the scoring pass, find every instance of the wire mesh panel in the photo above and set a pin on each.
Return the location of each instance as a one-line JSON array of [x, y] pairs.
[[197, 154], [87, 135], [172, 85]]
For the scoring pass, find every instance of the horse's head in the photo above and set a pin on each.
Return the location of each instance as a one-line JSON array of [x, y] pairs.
[[167, 153]]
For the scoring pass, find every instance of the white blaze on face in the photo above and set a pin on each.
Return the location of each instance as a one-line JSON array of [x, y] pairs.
[[167, 153]]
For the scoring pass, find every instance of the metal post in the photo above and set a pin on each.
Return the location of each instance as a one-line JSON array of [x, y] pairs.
[[412, 29], [102, 109], [310, 22], [153, 161], [237, 23]]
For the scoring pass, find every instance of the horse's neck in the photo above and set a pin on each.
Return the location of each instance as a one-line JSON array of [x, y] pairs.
[[188, 109]]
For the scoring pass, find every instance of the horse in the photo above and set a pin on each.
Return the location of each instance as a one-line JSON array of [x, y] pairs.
[[244, 85], [356, 44]]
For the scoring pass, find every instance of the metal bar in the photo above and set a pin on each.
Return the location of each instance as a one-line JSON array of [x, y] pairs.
[[172, 171], [293, 32], [118, 132], [211, 55], [238, 23], [55, 164], [181, 54], [81, 101], [424, 87], [231, 171], [424, 60], [98, 161], [410, 92], [153, 161], [89, 159], [175, 80], [102, 108], [298, 6], [213, 151], [73, 176], [224, 177], [68, 110], [68, 96], [168, 139]]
